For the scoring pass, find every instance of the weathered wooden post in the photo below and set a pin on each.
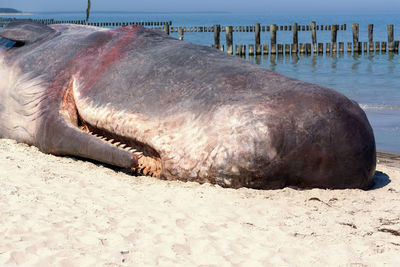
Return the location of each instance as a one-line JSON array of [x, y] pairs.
[[390, 37], [280, 49], [265, 49], [166, 28], [237, 52], [365, 47], [334, 29], [334, 48], [314, 36], [308, 48], [243, 50], [229, 39], [396, 46], [181, 32], [88, 12], [313, 32], [294, 48], [377, 47], [287, 49], [371, 37], [383, 47], [349, 48], [302, 49], [217, 31], [328, 49], [341, 47], [257, 36], [251, 50], [320, 48], [355, 27], [295, 38], [273, 38]]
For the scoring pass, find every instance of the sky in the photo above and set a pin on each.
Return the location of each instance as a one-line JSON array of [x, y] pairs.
[[279, 6]]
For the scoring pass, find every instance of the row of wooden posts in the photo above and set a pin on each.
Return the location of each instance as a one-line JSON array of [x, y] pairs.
[[253, 28], [4, 21], [256, 49], [264, 28]]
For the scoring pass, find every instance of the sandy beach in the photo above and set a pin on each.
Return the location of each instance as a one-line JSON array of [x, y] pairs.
[[61, 211]]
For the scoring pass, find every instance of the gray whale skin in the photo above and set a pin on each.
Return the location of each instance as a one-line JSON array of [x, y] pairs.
[[137, 98]]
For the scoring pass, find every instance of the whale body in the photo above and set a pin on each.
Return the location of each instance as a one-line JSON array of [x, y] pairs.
[[137, 98]]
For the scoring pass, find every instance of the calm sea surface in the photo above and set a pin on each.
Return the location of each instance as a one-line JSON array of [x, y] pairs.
[[372, 80]]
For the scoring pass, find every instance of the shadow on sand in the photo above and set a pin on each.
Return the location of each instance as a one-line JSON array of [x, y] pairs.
[[381, 179]]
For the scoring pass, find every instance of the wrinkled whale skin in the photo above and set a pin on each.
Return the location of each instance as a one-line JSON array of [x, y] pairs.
[[185, 111]]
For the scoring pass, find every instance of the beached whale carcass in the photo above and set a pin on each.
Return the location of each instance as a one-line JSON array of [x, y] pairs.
[[138, 98]]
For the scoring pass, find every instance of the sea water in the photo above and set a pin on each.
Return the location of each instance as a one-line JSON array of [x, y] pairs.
[[373, 80]]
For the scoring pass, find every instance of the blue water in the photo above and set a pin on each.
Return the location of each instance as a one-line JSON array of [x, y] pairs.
[[372, 80]]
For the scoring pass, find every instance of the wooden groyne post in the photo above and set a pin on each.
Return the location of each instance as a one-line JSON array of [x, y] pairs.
[[377, 47], [371, 37], [251, 50], [334, 29], [356, 47], [341, 47], [229, 39], [265, 49], [166, 28], [217, 31], [257, 29], [314, 36], [273, 38], [349, 48], [320, 48], [242, 50], [181, 32], [390, 37], [295, 39]]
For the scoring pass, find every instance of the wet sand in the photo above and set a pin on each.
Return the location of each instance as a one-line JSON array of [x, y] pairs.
[[68, 212]]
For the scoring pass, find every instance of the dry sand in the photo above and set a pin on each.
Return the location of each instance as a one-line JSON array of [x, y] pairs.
[[68, 212]]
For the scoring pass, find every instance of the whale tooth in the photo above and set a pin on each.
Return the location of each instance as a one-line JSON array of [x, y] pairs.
[[111, 140], [117, 143], [145, 171], [123, 146]]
